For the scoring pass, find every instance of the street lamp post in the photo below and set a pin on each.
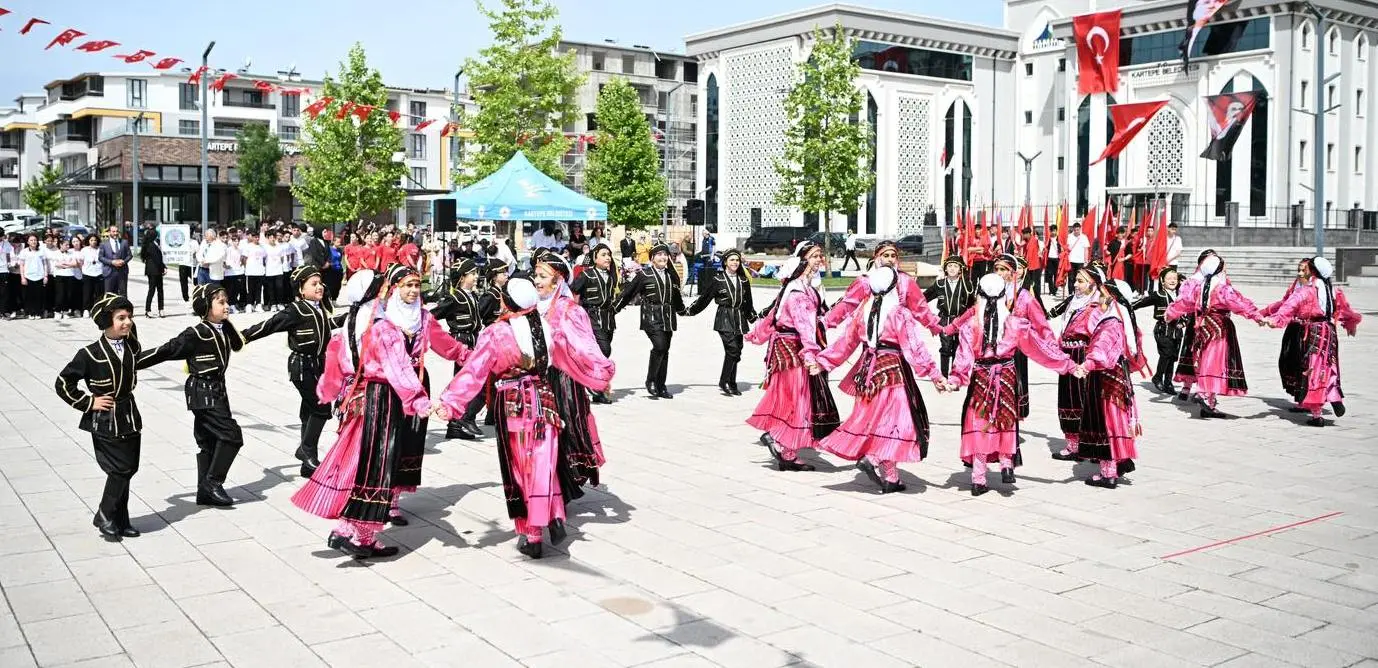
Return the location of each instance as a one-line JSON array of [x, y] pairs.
[[205, 140], [1028, 176], [454, 116], [1318, 117], [665, 164], [138, 206]]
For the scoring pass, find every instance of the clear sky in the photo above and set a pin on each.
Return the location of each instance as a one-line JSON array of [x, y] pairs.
[[418, 43]]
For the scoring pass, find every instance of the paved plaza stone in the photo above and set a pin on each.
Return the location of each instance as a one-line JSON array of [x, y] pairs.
[[696, 552]]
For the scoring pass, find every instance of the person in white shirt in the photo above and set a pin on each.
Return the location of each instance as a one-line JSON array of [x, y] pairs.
[[93, 286], [551, 235], [298, 243], [75, 303], [272, 272], [33, 277], [212, 258], [1078, 250], [234, 273], [8, 283], [254, 268], [55, 297], [1174, 245], [850, 244]]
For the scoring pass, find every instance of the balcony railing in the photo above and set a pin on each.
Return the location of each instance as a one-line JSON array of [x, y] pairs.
[[249, 105]]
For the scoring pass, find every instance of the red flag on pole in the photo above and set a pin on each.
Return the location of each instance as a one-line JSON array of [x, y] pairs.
[[1045, 238], [167, 63], [1158, 257], [363, 111], [423, 124], [1129, 119], [315, 108], [344, 110], [394, 116], [1090, 226], [1064, 259], [195, 78], [1098, 52], [265, 86]]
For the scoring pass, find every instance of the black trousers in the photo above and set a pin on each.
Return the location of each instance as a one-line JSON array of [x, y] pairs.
[[185, 274], [155, 286], [310, 403], [1050, 273], [92, 289], [1033, 280], [850, 257], [604, 338], [253, 295], [731, 355], [118, 457], [5, 279], [62, 288], [660, 358], [34, 295], [1072, 273], [234, 291], [218, 439], [118, 281]]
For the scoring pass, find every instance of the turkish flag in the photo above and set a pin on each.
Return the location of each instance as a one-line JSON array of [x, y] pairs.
[[64, 38], [220, 81], [1228, 114], [1129, 119], [195, 78], [315, 108], [1098, 52], [97, 45], [362, 111], [265, 86], [422, 125], [29, 26], [137, 56], [166, 63], [394, 116]]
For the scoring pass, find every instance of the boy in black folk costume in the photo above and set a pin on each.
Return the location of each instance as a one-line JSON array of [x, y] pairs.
[[458, 305], [308, 323], [109, 413], [206, 348]]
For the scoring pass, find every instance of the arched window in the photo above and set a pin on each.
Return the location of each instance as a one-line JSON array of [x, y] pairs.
[[1084, 157], [957, 180], [1306, 36], [1332, 40], [1361, 48], [710, 181]]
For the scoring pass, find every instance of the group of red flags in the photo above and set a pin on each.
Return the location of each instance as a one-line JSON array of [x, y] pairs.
[[70, 36], [981, 235]]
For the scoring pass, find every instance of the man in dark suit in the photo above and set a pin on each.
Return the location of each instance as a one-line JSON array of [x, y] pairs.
[[628, 247], [114, 261], [151, 252]]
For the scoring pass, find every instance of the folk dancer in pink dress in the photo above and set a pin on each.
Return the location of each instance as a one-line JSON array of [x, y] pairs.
[[1215, 346], [1186, 357], [1291, 357], [797, 408], [889, 423], [1109, 424], [1077, 317], [538, 333], [985, 365], [1318, 306], [376, 370]]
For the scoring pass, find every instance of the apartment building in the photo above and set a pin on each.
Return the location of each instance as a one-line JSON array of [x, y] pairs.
[[667, 85], [86, 125]]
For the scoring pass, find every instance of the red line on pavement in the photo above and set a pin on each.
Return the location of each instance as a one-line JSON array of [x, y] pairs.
[[1252, 535]]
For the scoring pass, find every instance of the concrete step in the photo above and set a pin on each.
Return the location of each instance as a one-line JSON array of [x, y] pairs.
[[1364, 281]]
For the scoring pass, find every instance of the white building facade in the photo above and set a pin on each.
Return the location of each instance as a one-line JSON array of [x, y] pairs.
[[85, 126], [957, 108]]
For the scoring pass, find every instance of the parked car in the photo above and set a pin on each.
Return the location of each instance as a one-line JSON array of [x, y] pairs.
[[911, 244], [13, 220], [775, 238], [840, 243]]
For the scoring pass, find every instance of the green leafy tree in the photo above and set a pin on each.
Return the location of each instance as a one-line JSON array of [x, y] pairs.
[[41, 195], [259, 155], [827, 152], [349, 172], [624, 166], [524, 90]]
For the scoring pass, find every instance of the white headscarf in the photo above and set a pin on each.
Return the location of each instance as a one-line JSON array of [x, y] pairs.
[[354, 288], [406, 316], [524, 295], [990, 289], [881, 280], [1121, 313], [1323, 271]]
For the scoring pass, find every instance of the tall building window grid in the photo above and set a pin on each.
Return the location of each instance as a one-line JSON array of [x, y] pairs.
[[189, 97], [418, 177], [291, 105], [416, 149]]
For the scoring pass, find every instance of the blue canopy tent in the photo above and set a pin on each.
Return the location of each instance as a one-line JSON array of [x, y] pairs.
[[519, 192]]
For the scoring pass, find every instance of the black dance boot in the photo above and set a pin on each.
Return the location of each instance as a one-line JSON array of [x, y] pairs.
[[211, 492], [105, 525], [528, 548], [557, 532], [652, 390], [870, 471], [307, 451], [456, 429], [1339, 407], [732, 380], [891, 487], [1007, 476]]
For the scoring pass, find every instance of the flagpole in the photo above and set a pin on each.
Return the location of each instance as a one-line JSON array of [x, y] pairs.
[[1318, 161]]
